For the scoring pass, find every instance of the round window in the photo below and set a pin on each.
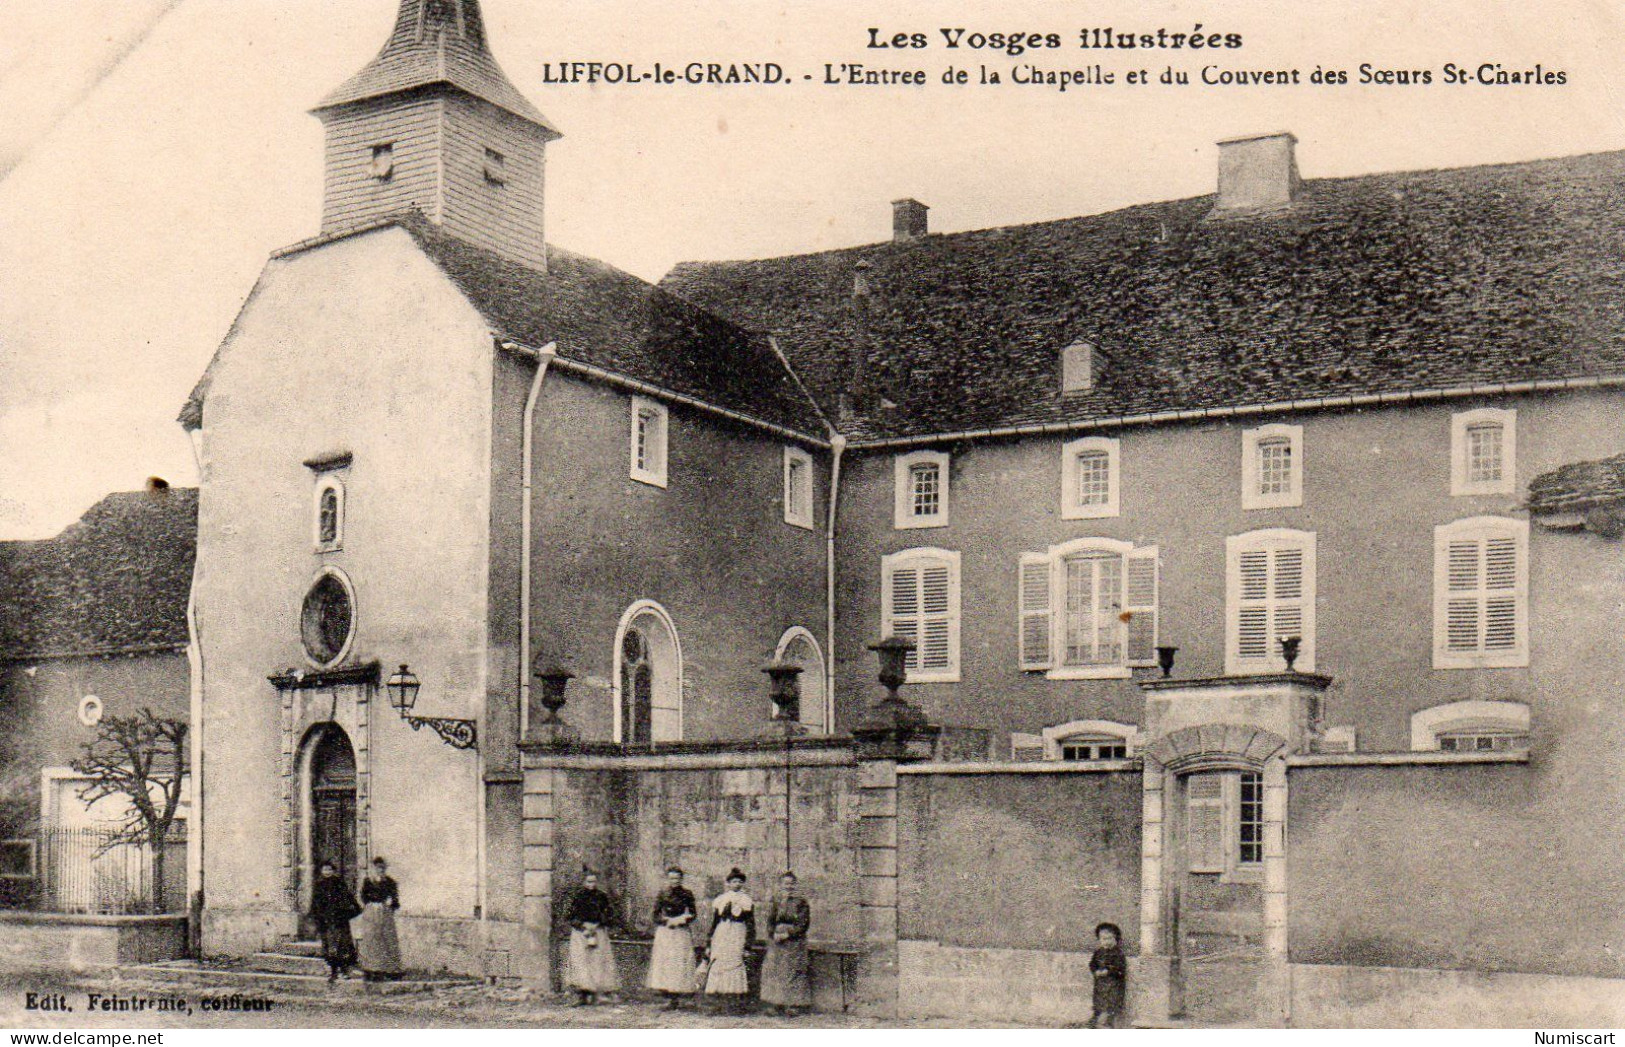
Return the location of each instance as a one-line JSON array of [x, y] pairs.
[[90, 710], [327, 620]]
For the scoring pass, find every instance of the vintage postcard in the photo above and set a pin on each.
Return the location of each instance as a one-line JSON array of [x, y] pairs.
[[738, 514]]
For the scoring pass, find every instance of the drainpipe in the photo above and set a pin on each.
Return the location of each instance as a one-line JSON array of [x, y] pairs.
[[837, 444], [194, 666], [544, 357]]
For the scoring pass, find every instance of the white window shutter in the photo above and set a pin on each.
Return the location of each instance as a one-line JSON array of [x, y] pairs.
[[1140, 581], [1204, 823], [1035, 611]]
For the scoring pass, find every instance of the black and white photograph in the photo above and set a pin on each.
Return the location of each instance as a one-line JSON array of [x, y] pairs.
[[741, 515]]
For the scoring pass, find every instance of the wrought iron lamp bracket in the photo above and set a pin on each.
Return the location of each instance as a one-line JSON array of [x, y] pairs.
[[459, 734]]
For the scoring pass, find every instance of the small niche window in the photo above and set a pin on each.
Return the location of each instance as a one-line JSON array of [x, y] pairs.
[[921, 489], [383, 161], [1272, 467], [329, 514], [1483, 445], [496, 168], [1089, 479], [648, 452], [798, 487]]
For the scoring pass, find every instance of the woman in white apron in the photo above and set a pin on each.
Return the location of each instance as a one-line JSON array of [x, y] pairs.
[[733, 927]]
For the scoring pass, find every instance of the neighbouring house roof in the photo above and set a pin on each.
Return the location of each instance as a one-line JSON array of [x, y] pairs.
[[117, 581], [1578, 487], [1378, 284], [437, 42], [607, 319]]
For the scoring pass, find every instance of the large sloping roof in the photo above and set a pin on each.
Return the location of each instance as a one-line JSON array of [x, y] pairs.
[[609, 320], [1378, 284], [437, 42], [115, 581]]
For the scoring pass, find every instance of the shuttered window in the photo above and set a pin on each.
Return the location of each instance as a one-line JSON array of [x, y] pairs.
[[1271, 597], [1088, 608], [920, 603], [1481, 593]]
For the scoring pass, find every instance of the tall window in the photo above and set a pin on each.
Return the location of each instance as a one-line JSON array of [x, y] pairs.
[[920, 603], [921, 480], [1250, 819], [1089, 478], [1483, 446], [1481, 593], [649, 676], [798, 487], [649, 443], [1088, 609], [1270, 596], [1272, 467]]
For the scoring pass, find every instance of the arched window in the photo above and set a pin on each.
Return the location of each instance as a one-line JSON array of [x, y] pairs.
[[1473, 726], [799, 647], [648, 676], [1089, 740]]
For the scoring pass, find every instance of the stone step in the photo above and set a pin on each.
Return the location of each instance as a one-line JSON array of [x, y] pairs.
[[241, 979], [283, 963], [299, 948]]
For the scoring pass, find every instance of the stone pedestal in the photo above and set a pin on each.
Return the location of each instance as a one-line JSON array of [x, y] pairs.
[[1156, 990]]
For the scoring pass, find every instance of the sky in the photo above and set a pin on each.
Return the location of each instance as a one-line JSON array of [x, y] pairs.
[[153, 152]]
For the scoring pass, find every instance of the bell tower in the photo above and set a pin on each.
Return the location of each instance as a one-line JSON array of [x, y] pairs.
[[433, 124]]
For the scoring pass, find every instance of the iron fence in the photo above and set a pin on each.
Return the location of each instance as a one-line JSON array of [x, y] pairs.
[[80, 873]]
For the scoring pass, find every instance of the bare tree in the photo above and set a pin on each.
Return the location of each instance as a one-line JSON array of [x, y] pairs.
[[143, 759]]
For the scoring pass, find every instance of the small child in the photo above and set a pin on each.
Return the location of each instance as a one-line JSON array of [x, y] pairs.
[[1111, 975]]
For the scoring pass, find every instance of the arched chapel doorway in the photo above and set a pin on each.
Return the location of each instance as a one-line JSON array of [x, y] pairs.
[[331, 774]]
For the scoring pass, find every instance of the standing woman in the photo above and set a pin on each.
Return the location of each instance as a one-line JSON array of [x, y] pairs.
[[379, 948], [733, 927], [332, 907], [786, 973], [592, 956], [671, 964]]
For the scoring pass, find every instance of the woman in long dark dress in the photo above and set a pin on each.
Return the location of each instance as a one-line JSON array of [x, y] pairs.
[[332, 907], [671, 963], [592, 956], [786, 972], [378, 948]]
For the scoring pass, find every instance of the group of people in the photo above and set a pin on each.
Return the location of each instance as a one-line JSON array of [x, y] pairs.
[[372, 945], [677, 969], [719, 971]]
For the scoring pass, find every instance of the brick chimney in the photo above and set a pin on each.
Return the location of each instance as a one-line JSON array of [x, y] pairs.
[[1257, 173], [908, 220]]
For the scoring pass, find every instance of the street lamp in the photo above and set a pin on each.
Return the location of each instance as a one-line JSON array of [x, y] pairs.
[[403, 687]]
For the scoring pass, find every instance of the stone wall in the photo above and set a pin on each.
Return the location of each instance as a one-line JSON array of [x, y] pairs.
[[629, 815]]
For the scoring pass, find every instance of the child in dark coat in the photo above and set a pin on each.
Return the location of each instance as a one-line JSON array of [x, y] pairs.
[[1111, 977]]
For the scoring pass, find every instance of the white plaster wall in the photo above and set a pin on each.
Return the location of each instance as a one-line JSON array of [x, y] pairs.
[[363, 346]]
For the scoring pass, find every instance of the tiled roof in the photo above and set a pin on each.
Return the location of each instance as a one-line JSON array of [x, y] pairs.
[[1579, 486], [117, 580], [610, 320], [1378, 284], [437, 42]]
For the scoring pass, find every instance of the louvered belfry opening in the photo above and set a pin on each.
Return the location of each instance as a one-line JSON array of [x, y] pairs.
[[433, 126]]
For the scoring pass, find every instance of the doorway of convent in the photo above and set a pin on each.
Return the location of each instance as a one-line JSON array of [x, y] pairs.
[[331, 806]]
